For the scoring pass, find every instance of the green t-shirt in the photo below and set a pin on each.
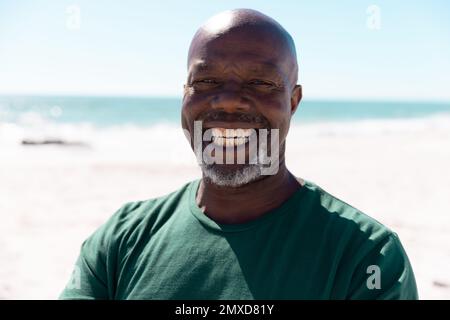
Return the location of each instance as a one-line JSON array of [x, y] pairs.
[[314, 246]]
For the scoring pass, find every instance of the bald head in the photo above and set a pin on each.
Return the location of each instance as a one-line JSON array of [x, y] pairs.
[[248, 31], [242, 74]]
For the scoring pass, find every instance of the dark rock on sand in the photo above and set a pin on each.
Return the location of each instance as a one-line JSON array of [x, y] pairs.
[[31, 142]]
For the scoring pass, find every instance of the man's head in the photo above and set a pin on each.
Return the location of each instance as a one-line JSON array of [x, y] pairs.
[[242, 74]]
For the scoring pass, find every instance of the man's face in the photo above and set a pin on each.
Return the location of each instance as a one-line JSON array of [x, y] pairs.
[[239, 80]]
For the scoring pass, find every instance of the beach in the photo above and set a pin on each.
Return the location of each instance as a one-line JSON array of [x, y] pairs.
[[93, 97], [54, 196]]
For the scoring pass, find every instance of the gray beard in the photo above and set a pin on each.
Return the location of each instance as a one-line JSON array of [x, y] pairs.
[[245, 174], [237, 178]]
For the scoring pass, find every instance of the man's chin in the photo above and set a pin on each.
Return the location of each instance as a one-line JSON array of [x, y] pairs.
[[231, 175]]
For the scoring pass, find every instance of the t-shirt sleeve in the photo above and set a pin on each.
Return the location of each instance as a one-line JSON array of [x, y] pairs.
[[385, 273], [93, 274]]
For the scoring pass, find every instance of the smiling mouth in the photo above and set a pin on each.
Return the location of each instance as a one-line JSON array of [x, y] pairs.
[[231, 137]]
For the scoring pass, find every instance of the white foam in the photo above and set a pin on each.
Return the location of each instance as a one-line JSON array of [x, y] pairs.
[[435, 123], [165, 142]]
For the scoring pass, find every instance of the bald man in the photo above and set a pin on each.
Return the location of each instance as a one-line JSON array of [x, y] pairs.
[[248, 229]]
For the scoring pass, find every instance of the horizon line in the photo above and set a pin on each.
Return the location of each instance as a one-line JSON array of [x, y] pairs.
[[150, 96]]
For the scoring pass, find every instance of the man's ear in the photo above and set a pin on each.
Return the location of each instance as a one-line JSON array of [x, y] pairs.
[[185, 90], [296, 96]]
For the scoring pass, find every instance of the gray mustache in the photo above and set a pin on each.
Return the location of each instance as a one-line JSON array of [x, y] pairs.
[[235, 117]]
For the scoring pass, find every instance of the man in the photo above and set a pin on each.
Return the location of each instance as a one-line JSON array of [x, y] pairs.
[[248, 229]]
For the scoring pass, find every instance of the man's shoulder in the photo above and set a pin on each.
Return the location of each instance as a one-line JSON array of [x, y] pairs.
[[150, 212], [343, 217], [146, 208], [361, 243]]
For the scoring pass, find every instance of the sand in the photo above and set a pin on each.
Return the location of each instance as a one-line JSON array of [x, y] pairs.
[[54, 197]]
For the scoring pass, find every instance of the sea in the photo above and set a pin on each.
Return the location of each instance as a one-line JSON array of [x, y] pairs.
[[147, 111], [128, 124]]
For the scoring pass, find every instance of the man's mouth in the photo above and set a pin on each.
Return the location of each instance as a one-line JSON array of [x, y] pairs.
[[231, 137]]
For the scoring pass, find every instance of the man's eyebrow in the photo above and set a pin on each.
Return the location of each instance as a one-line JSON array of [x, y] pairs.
[[201, 66]]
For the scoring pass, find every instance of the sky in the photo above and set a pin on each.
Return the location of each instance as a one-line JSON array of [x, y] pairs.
[[361, 50]]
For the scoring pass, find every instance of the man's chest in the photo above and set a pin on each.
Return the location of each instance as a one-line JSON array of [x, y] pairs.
[[177, 267]]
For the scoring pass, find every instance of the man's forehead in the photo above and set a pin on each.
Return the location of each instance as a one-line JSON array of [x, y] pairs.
[[249, 41], [249, 63]]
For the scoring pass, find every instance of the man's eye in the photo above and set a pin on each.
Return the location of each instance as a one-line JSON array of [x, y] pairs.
[[206, 81], [260, 83]]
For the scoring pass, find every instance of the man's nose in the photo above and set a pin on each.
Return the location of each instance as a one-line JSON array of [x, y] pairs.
[[230, 100]]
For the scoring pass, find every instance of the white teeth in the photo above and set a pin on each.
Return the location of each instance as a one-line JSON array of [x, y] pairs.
[[246, 132], [231, 133], [219, 141], [240, 141], [230, 137], [230, 142], [217, 132]]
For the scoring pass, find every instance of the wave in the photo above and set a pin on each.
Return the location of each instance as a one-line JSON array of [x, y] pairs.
[[165, 142]]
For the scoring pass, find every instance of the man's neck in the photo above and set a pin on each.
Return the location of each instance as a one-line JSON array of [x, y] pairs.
[[246, 203]]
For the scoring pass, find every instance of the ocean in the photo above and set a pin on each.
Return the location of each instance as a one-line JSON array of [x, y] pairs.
[[121, 128], [145, 111]]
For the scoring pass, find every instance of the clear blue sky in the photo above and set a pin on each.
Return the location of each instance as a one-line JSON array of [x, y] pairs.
[[139, 47]]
